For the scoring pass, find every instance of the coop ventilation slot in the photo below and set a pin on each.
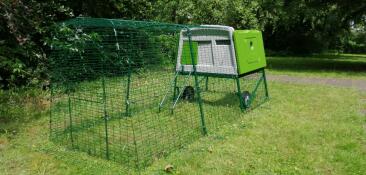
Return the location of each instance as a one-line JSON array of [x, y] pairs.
[[223, 42]]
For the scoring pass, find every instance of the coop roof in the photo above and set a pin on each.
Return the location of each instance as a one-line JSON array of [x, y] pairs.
[[146, 25]]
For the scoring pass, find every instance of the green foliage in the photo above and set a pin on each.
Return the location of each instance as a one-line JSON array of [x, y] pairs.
[[239, 14], [243, 14], [305, 27], [69, 45], [23, 32], [126, 9], [355, 42], [290, 27]]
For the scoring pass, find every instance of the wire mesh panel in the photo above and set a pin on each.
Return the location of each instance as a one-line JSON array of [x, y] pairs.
[[221, 98], [134, 91]]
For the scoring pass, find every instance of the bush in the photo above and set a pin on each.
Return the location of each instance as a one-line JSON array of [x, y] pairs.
[[19, 106]]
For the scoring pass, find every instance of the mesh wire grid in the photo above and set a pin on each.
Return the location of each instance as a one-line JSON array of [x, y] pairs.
[[117, 92]]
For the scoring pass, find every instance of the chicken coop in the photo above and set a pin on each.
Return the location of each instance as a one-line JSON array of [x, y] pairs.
[[134, 91]]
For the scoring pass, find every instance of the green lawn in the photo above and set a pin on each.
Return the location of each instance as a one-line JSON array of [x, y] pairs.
[[339, 66], [302, 129]]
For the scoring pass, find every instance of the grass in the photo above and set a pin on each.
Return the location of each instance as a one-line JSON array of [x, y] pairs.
[[323, 133], [303, 129], [320, 134], [337, 66]]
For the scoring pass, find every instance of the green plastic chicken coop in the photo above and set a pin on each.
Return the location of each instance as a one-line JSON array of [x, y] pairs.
[[134, 91], [220, 51]]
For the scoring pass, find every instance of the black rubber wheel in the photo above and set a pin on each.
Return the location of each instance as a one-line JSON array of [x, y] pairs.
[[246, 98], [188, 93]]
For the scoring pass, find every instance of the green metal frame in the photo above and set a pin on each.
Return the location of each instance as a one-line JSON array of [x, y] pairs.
[[199, 100], [70, 120], [242, 107]]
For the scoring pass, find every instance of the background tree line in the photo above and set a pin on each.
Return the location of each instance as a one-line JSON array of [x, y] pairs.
[[289, 26]]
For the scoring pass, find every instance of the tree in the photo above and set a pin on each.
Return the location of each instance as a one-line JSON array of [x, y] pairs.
[[23, 33], [303, 27]]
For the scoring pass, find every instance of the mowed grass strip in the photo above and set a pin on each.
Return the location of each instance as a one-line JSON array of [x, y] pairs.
[[336, 65]]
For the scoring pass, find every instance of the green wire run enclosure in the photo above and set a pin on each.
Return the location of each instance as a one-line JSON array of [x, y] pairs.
[[133, 91]]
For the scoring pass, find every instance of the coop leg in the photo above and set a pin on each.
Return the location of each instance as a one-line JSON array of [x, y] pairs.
[[265, 83], [254, 92], [127, 103], [129, 74], [105, 119], [70, 121], [237, 79], [175, 88], [206, 83]]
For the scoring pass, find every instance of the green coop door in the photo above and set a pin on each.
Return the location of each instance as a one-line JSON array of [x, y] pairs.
[[249, 50], [186, 53]]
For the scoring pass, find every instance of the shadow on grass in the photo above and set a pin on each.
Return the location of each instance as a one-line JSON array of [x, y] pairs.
[[229, 99], [321, 63]]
